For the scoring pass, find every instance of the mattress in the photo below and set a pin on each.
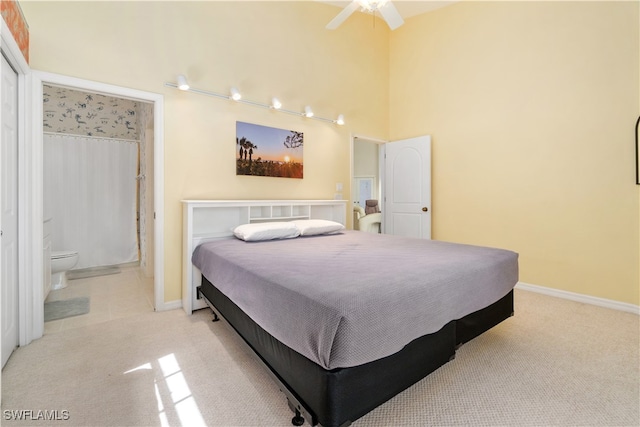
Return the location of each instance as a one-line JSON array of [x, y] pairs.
[[340, 396], [347, 299]]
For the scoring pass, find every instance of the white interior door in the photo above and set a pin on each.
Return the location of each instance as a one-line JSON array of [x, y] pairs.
[[8, 205], [407, 183]]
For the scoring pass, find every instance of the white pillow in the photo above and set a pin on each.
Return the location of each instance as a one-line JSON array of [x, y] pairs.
[[266, 231], [312, 227]]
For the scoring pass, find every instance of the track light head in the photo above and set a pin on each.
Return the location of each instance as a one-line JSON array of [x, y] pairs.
[[308, 112], [235, 95], [276, 104], [182, 82], [340, 120]]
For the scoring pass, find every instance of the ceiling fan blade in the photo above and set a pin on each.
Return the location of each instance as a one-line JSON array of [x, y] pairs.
[[343, 15], [391, 15]]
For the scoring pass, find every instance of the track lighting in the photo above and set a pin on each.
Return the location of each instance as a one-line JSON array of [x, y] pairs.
[[308, 112], [235, 95], [182, 82]]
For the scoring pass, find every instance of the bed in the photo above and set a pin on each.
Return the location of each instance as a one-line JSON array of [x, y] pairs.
[[345, 320]]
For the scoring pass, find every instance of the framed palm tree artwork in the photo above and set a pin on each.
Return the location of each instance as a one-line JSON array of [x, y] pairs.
[[267, 151]]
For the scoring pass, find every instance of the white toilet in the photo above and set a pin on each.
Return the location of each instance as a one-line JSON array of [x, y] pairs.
[[61, 261]]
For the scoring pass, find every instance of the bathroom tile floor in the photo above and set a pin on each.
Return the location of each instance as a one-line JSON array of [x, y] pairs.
[[112, 296]]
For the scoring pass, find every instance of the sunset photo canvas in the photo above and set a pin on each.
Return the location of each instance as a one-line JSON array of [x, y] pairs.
[[267, 151]]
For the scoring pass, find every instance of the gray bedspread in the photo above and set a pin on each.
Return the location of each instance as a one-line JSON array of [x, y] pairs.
[[350, 298]]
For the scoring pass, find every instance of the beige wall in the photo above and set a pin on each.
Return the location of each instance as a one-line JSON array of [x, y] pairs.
[[266, 49], [531, 107]]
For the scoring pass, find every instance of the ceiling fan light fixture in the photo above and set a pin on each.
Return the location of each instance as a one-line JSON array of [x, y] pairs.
[[385, 8], [371, 5]]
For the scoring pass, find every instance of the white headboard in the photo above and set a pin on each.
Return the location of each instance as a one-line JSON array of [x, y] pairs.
[[205, 220]]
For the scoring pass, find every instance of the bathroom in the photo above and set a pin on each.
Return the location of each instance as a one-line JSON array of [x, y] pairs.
[[98, 187]]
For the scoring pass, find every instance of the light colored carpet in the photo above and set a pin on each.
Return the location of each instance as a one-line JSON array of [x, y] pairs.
[[556, 362], [61, 309]]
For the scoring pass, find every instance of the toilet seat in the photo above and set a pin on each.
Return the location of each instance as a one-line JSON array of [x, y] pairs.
[[63, 254]]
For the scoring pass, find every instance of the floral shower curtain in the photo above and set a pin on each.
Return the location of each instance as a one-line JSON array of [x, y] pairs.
[[90, 194]]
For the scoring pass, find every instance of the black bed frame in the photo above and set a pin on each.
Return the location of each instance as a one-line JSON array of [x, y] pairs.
[[340, 396]]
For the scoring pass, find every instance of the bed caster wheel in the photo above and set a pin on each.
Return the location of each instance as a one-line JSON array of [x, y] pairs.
[[298, 420]]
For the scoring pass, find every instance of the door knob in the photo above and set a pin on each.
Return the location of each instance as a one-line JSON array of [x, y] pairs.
[[424, 209]]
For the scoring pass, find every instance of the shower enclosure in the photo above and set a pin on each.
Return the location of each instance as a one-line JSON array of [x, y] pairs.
[[90, 196]]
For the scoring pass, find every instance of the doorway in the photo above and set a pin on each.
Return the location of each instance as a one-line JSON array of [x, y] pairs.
[[155, 217], [398, 173], [366, 178], [97, 186], [97, 178]]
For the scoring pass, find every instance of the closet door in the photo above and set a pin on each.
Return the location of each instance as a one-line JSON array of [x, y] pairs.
[[9, 210]]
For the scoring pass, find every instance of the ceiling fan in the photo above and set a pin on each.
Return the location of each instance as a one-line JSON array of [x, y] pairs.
[[387, 10]]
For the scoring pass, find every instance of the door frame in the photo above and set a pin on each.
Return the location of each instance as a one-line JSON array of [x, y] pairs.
[[9, 181], [38, 79], [382, 150], [26, 274]]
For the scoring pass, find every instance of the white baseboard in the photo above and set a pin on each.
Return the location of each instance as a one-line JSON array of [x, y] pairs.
[[171, 305], [586, 299]]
